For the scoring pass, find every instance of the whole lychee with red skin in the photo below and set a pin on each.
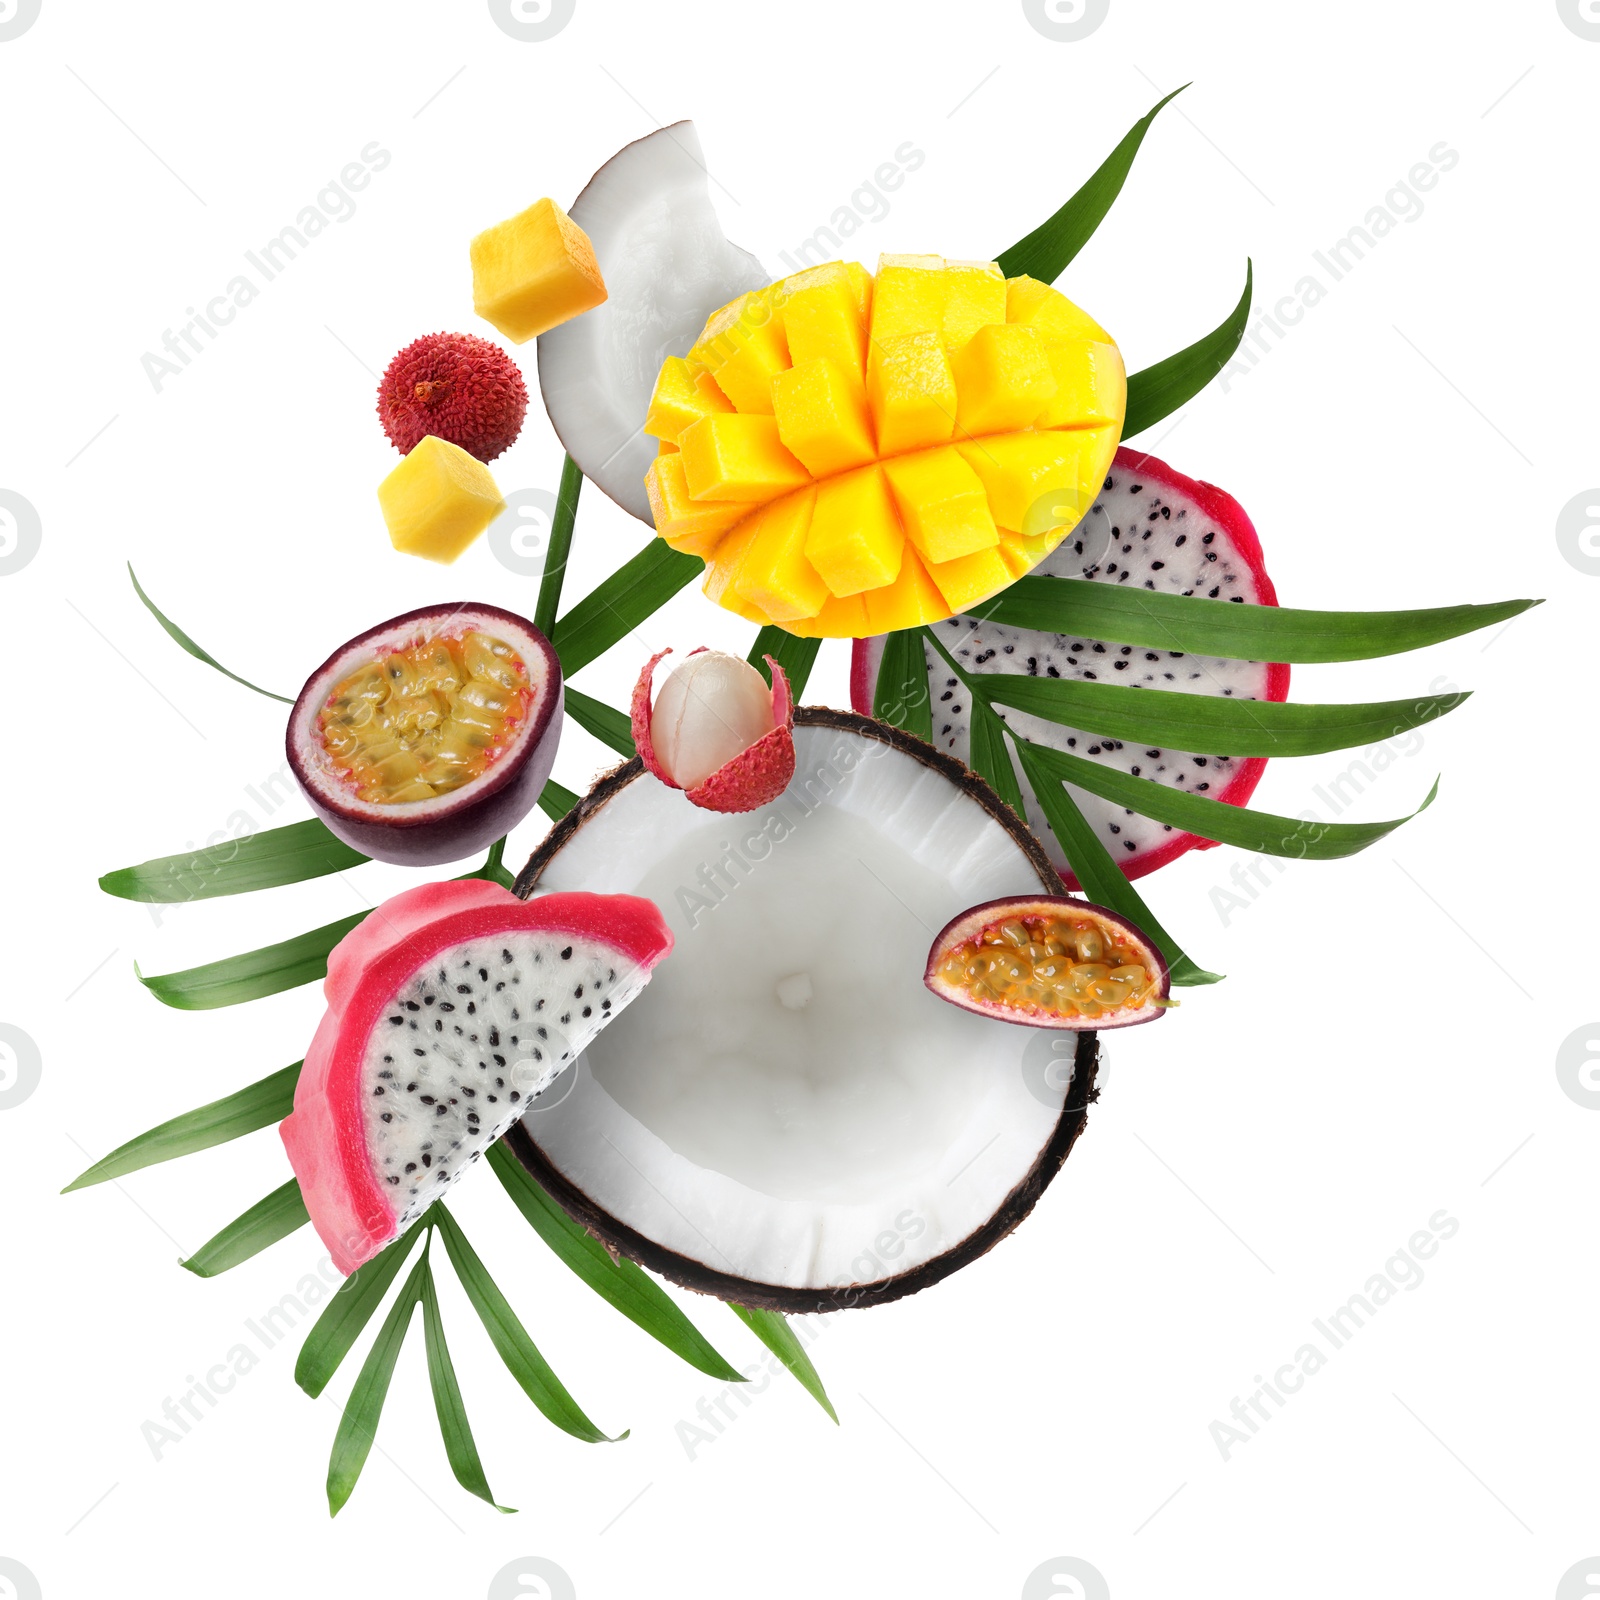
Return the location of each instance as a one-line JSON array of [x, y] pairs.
[[458, 387]]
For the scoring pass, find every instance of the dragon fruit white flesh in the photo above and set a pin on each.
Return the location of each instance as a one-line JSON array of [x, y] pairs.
[[1155, 529], [449, 1009]]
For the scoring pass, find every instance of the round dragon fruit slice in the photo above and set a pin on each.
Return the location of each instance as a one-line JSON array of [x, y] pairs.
[[1151, 528], [449, 1008]]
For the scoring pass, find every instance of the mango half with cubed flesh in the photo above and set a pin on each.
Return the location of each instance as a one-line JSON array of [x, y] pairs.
[[853, 455]]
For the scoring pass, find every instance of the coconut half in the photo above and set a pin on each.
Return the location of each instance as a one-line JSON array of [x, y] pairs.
[[667, 265], [789, 1119]]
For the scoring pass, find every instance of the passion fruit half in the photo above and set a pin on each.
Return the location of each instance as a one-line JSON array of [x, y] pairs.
[[428, 737], [1056, 962]]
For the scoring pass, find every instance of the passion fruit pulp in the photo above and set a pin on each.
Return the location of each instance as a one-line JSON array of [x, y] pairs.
[[1049, 963], [428, 737]]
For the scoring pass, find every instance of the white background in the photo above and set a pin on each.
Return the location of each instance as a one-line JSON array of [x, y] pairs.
[[1385, 1045]]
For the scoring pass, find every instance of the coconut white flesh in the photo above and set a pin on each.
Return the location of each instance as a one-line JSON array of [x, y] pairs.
[[789, 1104], [667, 266]]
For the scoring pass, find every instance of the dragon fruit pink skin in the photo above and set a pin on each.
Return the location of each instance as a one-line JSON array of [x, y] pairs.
[[348, 1163], [1133, 531]]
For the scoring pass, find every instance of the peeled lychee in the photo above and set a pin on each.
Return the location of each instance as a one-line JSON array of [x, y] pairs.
[[717, 731], [457, 387]]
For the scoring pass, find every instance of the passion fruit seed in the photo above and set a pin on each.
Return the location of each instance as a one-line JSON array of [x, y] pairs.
[[425, 720], [1029, 962]]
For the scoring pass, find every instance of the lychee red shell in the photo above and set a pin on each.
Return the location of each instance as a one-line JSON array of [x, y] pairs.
[[754, 777], [458, 387]]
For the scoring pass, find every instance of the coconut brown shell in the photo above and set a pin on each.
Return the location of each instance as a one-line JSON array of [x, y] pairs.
[[696, 1275]]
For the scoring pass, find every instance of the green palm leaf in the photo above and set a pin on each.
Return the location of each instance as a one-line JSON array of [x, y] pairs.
[[454, 1428], [1047, 252], [1158, 391], [620, 1282], [358, 1426], [1201, 626], [264, 1224], [510, 1338], [773, 1330], [260, 1105], [240, 866]]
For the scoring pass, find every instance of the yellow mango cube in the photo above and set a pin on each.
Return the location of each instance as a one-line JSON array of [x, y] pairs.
[[682, 396], [825, 321], [855, 540], [730, 456], [1056, 317], [829, 275], [1091, 386], [912, 392], [849, 275], [942, 503], [1020, 554], [1040, 480], [908, 297], [974, 297], [822, 417], [693, 526], [723, 568], [1004, 379], [438, 500], [842, 617], [964, 582], [861, 283], [774, 576], [533, 272], [909, 602], [744, 349]]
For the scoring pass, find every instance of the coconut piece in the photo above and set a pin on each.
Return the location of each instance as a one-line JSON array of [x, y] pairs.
[[667, 266], [1049, 963], [805, 1145]]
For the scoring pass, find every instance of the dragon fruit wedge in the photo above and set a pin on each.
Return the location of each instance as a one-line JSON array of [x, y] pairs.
[[449, 1008], [1151, 528]]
